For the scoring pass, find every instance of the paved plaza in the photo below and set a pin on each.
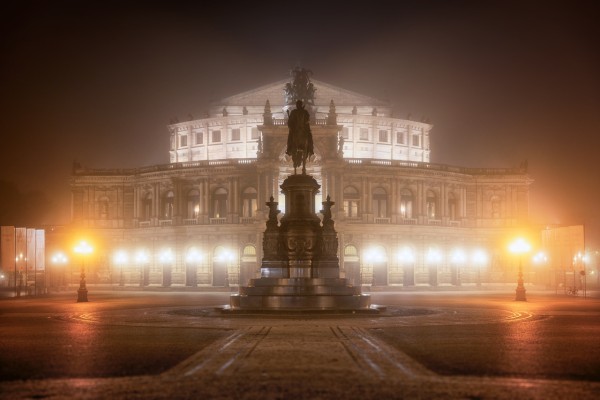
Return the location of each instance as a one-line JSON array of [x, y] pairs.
[[165, 345]]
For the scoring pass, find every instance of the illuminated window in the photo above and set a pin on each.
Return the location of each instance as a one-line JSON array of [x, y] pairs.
[[183, 141], [406, 203], [400, 137], [383, 136], [216, 136], [249, 202], [346, 133], [351, 198], [103, 208], [147, 206], [199, 137], [235, 134], [254, 134], [416, 140], [431, 203], [219, 203], [168, 202], [379, 203], [364, 134], [193, 204]]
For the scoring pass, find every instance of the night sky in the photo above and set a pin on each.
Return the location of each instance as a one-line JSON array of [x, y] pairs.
[[502, 82]]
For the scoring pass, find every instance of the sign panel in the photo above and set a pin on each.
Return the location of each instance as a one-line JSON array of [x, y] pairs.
[[7, 248], [40, 249], [20, 248]]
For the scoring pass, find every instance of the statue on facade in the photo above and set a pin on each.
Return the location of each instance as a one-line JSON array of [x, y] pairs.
[[300, 142]]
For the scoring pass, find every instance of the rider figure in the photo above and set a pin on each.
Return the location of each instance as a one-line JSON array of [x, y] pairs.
[[300, 143]]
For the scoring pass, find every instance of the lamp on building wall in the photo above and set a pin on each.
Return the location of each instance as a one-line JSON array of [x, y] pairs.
[[83, 248], [541, 260], [120, 259], [374, 255], [59, 260], [457, 259], [479, 259], [141, 259], [519, 247]]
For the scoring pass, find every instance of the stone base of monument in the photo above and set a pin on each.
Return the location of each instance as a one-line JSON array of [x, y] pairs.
[[300, 267], [300, 294]]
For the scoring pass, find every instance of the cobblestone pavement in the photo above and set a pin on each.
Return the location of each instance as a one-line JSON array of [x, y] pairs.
[[313, 356]]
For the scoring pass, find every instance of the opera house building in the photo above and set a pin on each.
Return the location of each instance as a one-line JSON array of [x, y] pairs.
[[199, 220]]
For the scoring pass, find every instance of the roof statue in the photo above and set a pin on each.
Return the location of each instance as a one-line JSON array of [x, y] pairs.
[[301, 88]]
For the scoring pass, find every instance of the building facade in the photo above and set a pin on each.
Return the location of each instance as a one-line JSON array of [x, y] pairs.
[[198, 221]]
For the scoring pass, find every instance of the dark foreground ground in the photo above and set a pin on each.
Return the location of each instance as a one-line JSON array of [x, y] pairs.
[[475, 345]]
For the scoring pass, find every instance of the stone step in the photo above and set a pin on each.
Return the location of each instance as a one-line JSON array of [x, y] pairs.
[[299, 290], [298, 282], [318, 302]]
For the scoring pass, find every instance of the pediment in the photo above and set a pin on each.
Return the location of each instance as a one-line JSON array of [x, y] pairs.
[[325, 92]]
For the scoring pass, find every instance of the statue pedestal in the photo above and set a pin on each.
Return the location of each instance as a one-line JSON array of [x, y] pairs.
[[300, 267]]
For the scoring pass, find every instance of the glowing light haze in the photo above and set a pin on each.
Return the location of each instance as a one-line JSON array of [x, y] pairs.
[[502, 82]]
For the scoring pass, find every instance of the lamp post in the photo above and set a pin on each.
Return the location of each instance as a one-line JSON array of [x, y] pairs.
[[59, 259], [520, 246], [84, 249]]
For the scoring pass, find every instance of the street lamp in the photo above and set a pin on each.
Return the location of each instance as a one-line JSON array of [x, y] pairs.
[[519, 246], [84, 249], [59, 259], [457, 259]]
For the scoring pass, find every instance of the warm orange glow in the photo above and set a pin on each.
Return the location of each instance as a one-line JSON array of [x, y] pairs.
[[519, 246], [83, 247]]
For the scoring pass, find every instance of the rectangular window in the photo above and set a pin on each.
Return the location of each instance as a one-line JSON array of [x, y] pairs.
[[364, 134], [235, 134], [254, 134], [346, 133], [199, 138], [400, 137], [416, 141], [183, 141], [383, 136], [216, 136]]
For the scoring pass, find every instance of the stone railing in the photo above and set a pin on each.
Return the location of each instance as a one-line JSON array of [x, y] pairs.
[[217, 221], [190, 221]]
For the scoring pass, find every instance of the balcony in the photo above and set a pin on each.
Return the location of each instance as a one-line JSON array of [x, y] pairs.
[[165, 222], [247, 220], [407, 221], [217, 221], [382, 220], [190, 221]]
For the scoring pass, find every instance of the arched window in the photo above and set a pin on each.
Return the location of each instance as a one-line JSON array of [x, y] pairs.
[[452, 207], [406, 203], [379, 203], [147, 207], [168, 202], [351, 198], [431, 204], [350, 253], [193, 204], [103, 207], [249, 202], [249, 253], [219, 203]]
